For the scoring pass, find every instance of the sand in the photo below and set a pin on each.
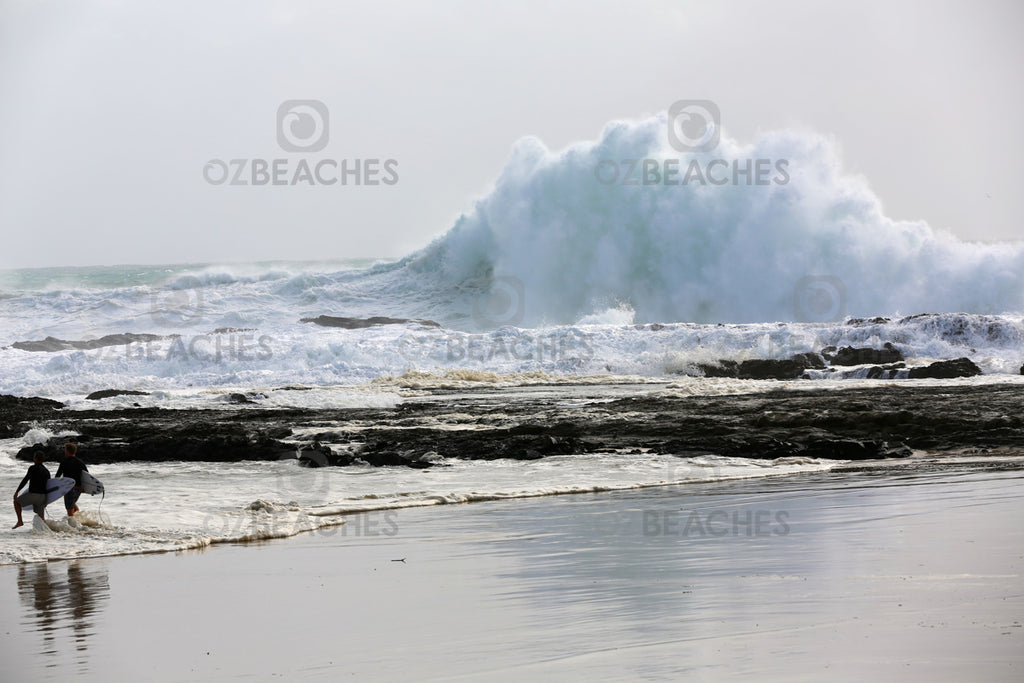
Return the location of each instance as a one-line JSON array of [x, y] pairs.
[[902, 572]]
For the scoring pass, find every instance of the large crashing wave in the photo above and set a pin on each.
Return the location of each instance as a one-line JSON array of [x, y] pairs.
[[563, 243]]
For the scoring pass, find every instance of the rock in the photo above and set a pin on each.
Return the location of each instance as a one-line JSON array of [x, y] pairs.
[[885, 371], [360, 323], [770, 369], [947, 369], [54, 344], [317, 455], [849, 355], [196, 442], [16, 412], [724, 368], [897, 450], [1022, 369], [108, 393], [391, 458], [763, 369], [810, 360], [843, 449]]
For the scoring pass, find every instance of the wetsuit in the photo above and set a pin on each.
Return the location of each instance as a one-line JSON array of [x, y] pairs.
[[72, 467], [36, 478]]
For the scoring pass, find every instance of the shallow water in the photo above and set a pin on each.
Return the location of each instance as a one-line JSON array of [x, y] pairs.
[[909, 571]]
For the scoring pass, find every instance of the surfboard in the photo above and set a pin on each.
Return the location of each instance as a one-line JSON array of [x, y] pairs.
[[91, 484], [56, 488]]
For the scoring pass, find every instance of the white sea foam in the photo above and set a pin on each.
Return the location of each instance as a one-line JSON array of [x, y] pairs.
[[153, 507], [324, 367]]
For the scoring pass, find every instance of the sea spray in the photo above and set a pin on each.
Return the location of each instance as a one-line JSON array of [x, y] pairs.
[[702, 252]]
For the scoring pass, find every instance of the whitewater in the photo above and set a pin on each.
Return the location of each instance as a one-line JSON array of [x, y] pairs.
[[160, 507], [555, 277]]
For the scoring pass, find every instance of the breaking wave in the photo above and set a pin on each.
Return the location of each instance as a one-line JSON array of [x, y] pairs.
[[574, 245]]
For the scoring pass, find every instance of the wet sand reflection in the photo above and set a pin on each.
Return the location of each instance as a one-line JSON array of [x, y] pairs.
[[63, 599]]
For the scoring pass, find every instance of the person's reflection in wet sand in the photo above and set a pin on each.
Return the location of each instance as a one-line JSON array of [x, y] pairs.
[[57, 601], [35, 586], [86, 592]]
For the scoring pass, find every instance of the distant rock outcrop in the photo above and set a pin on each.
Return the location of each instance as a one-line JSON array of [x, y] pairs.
[[109, 393], [947, 369], [885, 371], [849, 355], [54, 344], [771, 369], [790, 368], [360, 323]]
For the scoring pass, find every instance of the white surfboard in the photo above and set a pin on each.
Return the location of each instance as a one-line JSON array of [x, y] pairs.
[[56, 488], [91, 484]]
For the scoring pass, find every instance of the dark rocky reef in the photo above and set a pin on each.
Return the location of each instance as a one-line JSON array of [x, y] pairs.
[[16, 412], [158, 440], [360, 323], [852, 424]]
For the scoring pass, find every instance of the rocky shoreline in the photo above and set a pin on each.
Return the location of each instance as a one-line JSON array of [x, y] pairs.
[[853, 423]]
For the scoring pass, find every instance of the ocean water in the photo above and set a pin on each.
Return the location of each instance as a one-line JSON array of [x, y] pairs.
[[225, 329], [221, 329], [555, 277], [151, 507]]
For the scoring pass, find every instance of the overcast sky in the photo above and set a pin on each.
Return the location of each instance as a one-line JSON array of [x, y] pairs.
[[110, 110]]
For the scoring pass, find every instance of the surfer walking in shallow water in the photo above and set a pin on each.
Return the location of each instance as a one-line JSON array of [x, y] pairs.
[[36, 478], [72, 467]]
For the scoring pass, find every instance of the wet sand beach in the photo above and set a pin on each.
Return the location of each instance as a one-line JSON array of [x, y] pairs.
[[905, 570]]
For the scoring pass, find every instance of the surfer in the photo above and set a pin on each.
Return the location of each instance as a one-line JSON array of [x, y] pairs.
[[36, 478], [72, 467]]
